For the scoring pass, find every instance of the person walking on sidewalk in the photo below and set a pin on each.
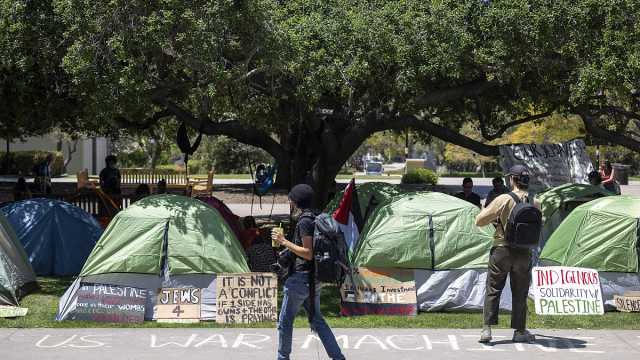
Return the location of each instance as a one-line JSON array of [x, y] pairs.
[[296, 287], [505, 259]]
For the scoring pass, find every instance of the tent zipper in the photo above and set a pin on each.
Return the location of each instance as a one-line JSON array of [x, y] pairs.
[[432, 244]]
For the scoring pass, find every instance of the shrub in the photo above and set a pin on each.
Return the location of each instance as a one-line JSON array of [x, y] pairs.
[[23, 162], [420, 176]]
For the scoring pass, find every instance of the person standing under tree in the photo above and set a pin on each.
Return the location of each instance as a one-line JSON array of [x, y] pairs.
[[505, 259], [467, 193], [110, 176], [296, 287]]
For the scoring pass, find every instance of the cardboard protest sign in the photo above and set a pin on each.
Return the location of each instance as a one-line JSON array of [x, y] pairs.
[[178, 305], [630, 302], [110, 303], [12, 311], [560, 290], [379, 291], [247, 298], [549, 164]]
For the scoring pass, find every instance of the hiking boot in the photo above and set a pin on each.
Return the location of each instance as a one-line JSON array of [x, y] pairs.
[[523, 336], [485, 335]]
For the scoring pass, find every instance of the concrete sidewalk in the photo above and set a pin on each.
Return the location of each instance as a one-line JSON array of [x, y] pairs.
[[258, 344]]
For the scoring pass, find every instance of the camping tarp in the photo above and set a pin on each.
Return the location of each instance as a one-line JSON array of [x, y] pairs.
[[556, 203], [162, 241], [16, 275], [434, 234], [57, 236], [602, 235]]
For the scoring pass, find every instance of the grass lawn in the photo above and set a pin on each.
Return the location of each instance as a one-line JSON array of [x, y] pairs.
[[43, 305]]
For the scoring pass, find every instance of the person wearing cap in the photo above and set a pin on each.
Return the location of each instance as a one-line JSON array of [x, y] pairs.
[[505, 260], [296, 287]]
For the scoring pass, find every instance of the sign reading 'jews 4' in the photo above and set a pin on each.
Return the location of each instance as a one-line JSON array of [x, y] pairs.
[[560, 290], [178, 305], [549, 164]]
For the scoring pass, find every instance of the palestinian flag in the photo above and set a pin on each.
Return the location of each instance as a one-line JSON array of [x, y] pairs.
[[349, 216]]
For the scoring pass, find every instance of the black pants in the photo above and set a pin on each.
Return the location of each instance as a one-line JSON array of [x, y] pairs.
[[505, 261]]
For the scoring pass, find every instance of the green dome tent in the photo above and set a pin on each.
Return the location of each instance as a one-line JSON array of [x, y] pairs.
[[370, 195], [556, 204], [16, 275], [436, 235], [162, 241], [602, 235]]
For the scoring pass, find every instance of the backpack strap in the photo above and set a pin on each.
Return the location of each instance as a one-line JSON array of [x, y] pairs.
[[515, 197]]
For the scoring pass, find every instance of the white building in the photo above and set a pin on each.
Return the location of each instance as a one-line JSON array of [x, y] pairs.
[[89, 152]]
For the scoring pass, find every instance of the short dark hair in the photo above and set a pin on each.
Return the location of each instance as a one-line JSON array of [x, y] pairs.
[[111, 158], [595, 175], [249, 222], [497, 180], [522, 181], [466, 181]]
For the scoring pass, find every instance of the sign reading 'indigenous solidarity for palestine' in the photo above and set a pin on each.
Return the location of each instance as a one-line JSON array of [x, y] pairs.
[[549, 164], [560, 290]]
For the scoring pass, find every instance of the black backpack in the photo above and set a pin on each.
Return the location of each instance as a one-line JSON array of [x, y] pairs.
[[329, 251], [524, 224]]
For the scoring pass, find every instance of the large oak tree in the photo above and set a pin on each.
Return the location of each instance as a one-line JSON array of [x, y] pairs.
[[310, 80]]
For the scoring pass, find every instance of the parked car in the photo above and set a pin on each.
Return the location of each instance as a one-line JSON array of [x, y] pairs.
[[374, 168]]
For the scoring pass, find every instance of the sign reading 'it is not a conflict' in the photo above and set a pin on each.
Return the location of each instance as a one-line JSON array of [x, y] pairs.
[[246, 298], [560, 290]]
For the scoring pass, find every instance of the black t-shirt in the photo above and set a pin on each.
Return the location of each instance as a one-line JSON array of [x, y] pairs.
[[304, 227], [472, 198]]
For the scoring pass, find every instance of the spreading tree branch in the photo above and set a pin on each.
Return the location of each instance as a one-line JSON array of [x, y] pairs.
[[485, 133]]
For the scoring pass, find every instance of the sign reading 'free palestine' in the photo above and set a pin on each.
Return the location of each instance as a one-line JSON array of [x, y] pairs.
[[110, 303], [560, 290]]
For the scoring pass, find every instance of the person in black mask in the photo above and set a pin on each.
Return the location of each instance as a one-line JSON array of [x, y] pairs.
[[296, 287]]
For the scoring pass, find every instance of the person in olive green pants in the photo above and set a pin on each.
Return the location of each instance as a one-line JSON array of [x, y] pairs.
[[505, 260]]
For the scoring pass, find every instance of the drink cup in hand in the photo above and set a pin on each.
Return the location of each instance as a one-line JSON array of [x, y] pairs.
[[275, 232]]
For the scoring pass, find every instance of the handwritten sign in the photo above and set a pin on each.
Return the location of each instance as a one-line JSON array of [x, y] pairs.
[[110, 303], [560, 290], [549, 164], [178, 305], [12, 311], [379, 291], [630, 302], [247, 298]]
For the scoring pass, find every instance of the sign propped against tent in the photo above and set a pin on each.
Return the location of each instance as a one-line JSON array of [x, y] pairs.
[[379, 291], [178, 305], [549, 164], [630, 302], [110, 303], [246, 298], [561, 290], [12, 311]]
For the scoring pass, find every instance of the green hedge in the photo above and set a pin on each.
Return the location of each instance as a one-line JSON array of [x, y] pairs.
[[420, 176], [22, 162]]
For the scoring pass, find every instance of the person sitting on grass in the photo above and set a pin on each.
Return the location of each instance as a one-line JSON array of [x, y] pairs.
[[250, 232]]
